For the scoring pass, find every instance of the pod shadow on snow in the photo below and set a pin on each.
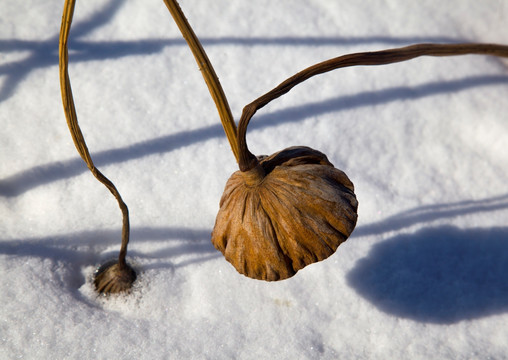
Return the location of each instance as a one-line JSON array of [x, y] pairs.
[[437, 275]]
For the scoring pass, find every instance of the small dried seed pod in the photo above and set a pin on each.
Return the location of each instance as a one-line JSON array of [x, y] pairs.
[[292, 209], [112, 277]]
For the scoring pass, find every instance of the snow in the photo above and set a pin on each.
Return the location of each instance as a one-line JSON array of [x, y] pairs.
[[423, 275]]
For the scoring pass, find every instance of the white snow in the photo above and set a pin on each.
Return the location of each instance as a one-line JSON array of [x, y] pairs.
[[422, 277]]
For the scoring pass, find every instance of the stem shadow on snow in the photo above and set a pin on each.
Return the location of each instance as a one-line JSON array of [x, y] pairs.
[[23, 181], [440, 274], [44, 53], [84, 248], [81, 249]]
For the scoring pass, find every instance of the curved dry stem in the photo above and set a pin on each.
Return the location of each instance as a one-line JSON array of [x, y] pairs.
[[248, 161], [211, 79], [72, 122]]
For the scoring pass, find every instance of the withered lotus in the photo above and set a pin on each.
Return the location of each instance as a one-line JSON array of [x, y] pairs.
[[285, 211], [278, 213], [281, 213], [292, 209], [111, 277]]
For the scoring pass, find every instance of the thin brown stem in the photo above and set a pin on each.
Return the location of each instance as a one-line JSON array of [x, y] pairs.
[[211, 79], [72, 122], [248, 161]]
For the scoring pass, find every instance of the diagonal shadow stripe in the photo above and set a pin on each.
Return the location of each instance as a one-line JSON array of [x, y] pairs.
[[44, 53], [40, 175], [425, 214]]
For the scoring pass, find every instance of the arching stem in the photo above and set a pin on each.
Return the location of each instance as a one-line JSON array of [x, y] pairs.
[[248, 161], [72, 122], [211, 79]]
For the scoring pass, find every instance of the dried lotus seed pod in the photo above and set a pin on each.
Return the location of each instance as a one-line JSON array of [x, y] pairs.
[[113, 277], [292, 209]]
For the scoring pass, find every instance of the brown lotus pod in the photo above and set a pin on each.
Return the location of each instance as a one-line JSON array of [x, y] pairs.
[[291, 210]]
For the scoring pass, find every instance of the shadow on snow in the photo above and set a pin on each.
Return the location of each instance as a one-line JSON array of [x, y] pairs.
[[44, 53], [40, 175], [440, 274]]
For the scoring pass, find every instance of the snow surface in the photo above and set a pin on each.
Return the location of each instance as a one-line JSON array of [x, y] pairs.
[[422, 277]]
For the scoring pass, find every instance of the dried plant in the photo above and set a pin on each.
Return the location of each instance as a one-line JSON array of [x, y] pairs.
[[113, 277], [285, 211], [292, 209]]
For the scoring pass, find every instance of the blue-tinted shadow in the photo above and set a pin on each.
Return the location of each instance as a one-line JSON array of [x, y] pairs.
[[43, 52], [26, 180], [437, 275]]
